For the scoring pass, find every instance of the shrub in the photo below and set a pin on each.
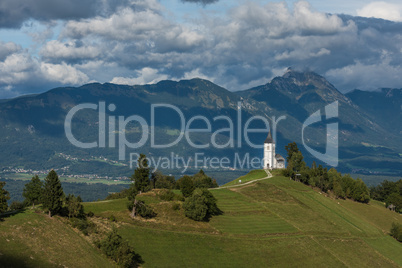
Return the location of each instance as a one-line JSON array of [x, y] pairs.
[[176, 206], [141, 209], [166, 195], [16, 205], [201, 205], [396, 231], [186, 185], [85, 226], [90, 214], [118, 250], [112, 218], [145, 210]]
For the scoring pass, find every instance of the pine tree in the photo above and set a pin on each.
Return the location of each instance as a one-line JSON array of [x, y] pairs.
[[141, 175], [53, 193], [33, 191], [4, 196]]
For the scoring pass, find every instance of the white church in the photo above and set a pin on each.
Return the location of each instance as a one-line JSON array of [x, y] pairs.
[[271, 159]]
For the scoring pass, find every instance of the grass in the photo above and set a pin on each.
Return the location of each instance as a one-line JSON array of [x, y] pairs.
[[274, 222], [252, 175], [30, 239]]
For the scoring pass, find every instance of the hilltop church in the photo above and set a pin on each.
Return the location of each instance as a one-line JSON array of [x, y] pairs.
[[271, 159]]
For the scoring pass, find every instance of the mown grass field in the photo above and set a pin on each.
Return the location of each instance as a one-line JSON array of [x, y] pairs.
[[274, 222], [252, 175]]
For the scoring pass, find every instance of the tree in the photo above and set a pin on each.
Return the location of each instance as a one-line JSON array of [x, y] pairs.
[[132, 201], [118, 250], [4, 196], [296, 163], [33, 191], [74, 206], [201, 180], [141, 175], [186, 185], [396, 200], [201, 205], [291, 148], [360, 192], [53, 193], [396, 231]]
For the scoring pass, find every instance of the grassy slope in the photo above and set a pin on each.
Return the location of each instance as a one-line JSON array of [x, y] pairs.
[[274, 222], [29, 239], [252, 175]]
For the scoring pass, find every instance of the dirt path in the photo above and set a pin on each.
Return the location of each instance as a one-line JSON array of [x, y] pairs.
[[269, 175]]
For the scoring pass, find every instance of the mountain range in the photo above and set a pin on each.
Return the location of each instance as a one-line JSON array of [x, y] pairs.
[[33, 134]]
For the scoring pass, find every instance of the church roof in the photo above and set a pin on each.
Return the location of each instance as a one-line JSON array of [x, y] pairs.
[[269, 138], [279, 157]]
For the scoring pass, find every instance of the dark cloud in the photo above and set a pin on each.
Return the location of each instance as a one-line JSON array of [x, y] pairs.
[[13, 13], [246, 48]]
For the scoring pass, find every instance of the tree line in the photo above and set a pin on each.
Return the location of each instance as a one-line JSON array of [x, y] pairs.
[[342, 186], [198, 203], [390, 193]]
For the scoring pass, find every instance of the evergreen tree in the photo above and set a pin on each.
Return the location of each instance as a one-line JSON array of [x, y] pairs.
[[291, 148], [53, 193], [186, 185], [74, 206], [33, 191], [4, 196], [141, 175]]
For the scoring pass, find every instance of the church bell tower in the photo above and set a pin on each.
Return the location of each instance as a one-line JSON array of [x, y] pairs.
[[269, 152]]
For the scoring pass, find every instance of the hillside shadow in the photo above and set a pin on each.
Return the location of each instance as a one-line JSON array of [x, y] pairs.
[[11, 213], [11, 261]]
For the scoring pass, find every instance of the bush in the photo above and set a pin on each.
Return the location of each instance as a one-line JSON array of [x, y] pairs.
[[85, 226], [396, 231], [145, 210], [16, 205], [112, 218], [176, 206], [169, 195], [123, 194], [166, 195], [201, 205], [118, 250], [186, 185], [141, 209], [90, 214]]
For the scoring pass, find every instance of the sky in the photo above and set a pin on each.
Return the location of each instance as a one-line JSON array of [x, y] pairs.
[[236, 44]]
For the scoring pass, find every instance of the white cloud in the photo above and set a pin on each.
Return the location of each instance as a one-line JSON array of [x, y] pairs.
[[145, 76], [68, 50], [381, 10], [63, 73]]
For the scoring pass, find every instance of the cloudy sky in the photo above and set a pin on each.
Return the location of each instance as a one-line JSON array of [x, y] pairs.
[[234, 43]]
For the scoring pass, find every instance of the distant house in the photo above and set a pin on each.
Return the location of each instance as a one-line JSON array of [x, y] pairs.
[[272, 160]]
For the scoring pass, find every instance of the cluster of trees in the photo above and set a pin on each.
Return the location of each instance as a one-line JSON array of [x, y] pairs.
[[199, 203], [4, 197], [118, 250], [389, 192], [48, 193], [343, 186]]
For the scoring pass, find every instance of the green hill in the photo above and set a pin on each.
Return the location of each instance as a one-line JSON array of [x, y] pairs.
[[273, 222]]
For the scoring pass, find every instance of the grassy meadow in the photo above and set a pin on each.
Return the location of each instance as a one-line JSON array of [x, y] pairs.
[[273, 222]]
